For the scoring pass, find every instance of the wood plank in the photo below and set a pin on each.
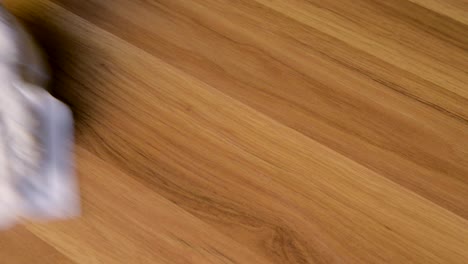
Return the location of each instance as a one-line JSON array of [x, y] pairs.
[[211, 133], [126, 222], [454, 9], [19, 246], [252, 14], [390, 121], [377, 35], [258, 181]]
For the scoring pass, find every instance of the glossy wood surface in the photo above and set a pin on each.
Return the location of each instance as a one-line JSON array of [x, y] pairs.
[[258, 131]]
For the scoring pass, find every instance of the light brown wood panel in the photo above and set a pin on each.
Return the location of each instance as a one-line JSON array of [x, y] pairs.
[[453, 9], [133, 224], [238, 132], [19, 246], [319, 85], [396, 43]]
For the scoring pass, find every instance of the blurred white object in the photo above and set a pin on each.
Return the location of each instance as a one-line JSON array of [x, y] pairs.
[[36, 135]]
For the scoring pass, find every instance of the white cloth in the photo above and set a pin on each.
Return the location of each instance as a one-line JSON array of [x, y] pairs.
[[36, 176]]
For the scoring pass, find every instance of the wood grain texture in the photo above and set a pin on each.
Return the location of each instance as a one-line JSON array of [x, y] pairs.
[[261, 131]]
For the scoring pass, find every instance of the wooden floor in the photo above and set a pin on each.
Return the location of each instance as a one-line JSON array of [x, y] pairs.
[[258, 131]]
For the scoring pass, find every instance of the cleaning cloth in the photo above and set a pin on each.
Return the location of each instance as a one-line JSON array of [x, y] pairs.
[[36, 135]]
